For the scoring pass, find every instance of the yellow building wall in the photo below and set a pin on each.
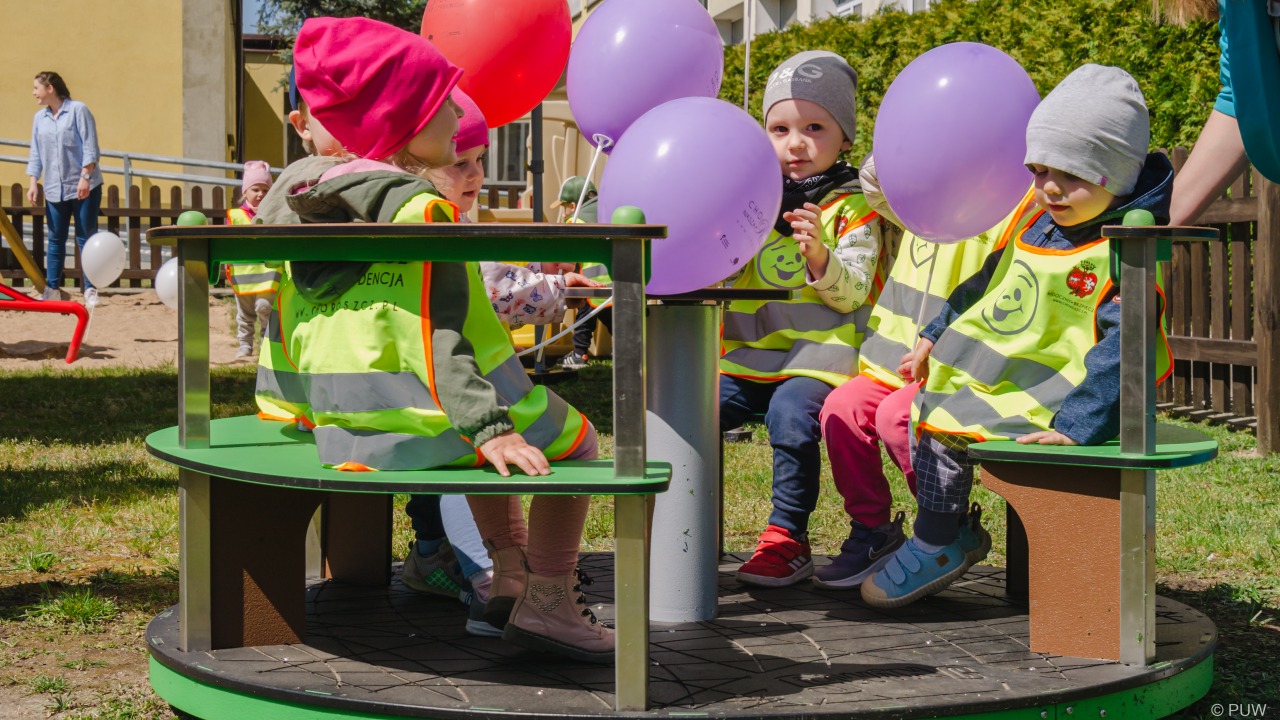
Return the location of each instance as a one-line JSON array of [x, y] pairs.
[[122, 58], [266, 104]]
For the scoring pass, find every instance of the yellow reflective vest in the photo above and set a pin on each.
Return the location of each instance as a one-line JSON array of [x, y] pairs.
[[922, 278], [367, 364], [249, 278], [770, 341], [1004, 367]]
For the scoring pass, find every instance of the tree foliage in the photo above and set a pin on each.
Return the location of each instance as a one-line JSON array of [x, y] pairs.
[[283, 18], [1176, 66]]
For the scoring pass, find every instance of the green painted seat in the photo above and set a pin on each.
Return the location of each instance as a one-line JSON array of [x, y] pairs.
[[1175, 447]]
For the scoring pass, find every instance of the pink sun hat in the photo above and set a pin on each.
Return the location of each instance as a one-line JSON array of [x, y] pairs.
[[256, 172], [372, 85], [473, 131]]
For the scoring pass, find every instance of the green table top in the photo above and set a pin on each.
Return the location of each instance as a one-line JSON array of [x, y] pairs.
[[1175, 447], [276, 453]]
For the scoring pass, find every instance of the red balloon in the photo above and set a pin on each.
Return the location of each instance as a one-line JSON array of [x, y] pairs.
[[513, 52]]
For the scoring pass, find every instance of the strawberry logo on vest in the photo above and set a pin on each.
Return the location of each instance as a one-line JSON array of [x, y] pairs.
[[1082, 281]]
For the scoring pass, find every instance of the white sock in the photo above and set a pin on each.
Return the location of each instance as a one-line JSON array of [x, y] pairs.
[[926, 547]]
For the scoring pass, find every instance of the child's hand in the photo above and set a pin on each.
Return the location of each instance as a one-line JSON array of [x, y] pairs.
[[574, 279], [914, 365], [510, 447], [559, 268], [1046, 437], [807, 229]]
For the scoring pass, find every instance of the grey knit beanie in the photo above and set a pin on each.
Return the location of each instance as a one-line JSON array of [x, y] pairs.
[[1095, 126], [820, 77]]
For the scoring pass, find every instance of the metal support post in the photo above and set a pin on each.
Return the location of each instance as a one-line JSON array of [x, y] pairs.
[[195, 586], [684, 430], [631, 601], [1139, 324], [193, 343]]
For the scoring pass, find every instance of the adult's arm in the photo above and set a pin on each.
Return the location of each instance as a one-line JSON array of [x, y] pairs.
[[1217, 158], [88, 131], [34, 166]]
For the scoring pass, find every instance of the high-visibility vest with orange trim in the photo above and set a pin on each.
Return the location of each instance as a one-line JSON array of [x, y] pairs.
[[923, 276], [1004, 367], [366, 362], [773, 340], [249, 278]]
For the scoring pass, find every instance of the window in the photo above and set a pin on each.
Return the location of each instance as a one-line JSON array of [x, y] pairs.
[[508, 153], [918, 5], [575, 8]]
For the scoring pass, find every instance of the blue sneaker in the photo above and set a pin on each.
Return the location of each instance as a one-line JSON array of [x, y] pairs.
[[912, 573], [862, 555], [974, 539]]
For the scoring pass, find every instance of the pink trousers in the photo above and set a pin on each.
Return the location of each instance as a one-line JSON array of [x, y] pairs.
[[553, 535], [856, 418]]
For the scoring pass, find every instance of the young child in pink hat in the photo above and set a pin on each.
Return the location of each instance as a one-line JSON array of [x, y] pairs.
[[254, 284], [409, 367]]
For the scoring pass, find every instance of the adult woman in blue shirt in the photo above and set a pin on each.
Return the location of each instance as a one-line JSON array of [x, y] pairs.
[[64, 149], [1244, 125]]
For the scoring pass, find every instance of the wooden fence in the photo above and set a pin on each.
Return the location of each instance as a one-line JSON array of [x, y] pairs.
[[1223, 312], [155, 211]]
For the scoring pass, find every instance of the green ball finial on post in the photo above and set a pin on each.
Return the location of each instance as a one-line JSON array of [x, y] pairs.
[[1139, 217], [628, 215], [193, 217]]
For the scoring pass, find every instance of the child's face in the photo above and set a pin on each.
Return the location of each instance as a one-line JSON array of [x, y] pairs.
[[254, 194], [1070, 200], [460, 182], [310, 130], [806, 137], [434, 144]]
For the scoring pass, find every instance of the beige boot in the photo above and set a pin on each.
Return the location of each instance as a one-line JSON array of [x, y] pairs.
[[552, 616], [509, 576]]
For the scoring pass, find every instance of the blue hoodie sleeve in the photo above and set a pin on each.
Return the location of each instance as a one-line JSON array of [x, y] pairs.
[[1226, 102], [964, 296], [1090, 414]]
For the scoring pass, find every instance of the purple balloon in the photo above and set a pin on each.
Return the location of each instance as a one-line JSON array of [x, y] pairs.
[[706, 170], [950, 140], [633, 55]]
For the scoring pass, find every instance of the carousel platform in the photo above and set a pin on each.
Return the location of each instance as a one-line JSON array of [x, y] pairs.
[[787, 652]]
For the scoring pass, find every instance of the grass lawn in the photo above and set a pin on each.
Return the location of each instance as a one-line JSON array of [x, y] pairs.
[[88, 537]]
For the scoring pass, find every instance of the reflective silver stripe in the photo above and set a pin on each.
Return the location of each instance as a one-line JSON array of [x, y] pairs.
[[238, 279], [510, 380], [803, 355], [775, 316], [990, 367], [593, 271], [901, 299], [389, 451], [366, 392], [550, 424], [976, 412], [273, 327], [884, 352], [279, 384]]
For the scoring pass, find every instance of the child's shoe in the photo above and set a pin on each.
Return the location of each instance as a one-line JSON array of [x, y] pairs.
[[510, 575], [779, 560], [573, 361], [475, 616], [245, 352], [974, 539], [913, 573], [437, 575], [552, 616], [862, 555]]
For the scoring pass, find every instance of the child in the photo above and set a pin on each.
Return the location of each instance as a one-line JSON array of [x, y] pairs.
[[408, 366], [875, 406], [570, 193], [255, 284], [783, 357], [1037, 355]]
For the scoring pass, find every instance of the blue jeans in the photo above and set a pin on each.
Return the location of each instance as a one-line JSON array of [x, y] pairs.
[[791, 410], [58, 218]]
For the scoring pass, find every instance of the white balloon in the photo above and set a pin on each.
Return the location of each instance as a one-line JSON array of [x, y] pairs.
[[166, 283], [102, 258]]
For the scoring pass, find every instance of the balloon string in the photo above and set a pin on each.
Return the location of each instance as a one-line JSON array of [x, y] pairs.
[[602, 142], [576, 323], [924, 296]]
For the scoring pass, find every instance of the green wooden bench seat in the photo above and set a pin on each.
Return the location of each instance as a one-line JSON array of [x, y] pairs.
[[1081, 537]]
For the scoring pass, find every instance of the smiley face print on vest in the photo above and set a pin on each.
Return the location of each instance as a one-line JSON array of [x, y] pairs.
[[1016, 301], [781, 264], [922, 251]]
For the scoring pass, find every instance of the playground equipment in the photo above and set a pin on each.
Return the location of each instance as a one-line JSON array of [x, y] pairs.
[[14, 300], [247, 639]]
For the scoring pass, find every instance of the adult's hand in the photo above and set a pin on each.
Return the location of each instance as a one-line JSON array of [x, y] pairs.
[[32, 193], [82, 189], [1216, 159]]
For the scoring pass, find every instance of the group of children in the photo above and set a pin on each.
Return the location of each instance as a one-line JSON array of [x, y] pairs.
[[398, 366]]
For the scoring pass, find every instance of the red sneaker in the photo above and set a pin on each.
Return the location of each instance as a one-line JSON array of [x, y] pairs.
[[779, 560]]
